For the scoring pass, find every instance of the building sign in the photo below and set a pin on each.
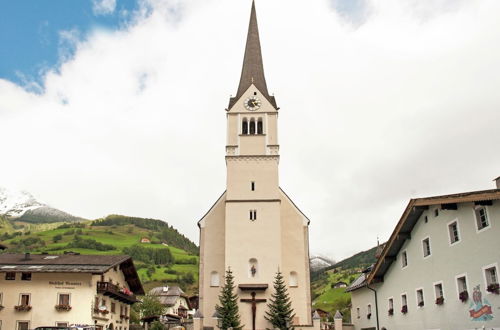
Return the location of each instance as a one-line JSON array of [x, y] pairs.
[[65, 284], [480, 309]]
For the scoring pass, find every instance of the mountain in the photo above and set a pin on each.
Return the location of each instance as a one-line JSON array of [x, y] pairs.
[[15, 203], [319, 262], [24, 207]]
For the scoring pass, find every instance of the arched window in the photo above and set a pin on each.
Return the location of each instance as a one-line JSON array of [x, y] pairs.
[[294, 281], [253, 267], [244, 126], [260, 129], [214, 279], [252, 126]]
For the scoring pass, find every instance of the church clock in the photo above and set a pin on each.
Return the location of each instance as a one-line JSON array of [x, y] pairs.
[[252, 103]]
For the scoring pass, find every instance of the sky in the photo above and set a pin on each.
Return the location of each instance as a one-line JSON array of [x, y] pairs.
[[117, 107]]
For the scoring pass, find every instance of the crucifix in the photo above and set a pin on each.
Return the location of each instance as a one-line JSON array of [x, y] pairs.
[[254, 306]]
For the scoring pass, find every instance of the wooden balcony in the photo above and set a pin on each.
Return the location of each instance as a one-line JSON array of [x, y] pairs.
[[113, 291]]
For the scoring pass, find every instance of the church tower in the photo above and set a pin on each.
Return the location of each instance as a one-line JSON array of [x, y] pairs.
[[254, 228]]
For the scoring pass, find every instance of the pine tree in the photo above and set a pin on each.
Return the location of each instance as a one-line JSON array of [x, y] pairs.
[[228, 300], [280, 312]]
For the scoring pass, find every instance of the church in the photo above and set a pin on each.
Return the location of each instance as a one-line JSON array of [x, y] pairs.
[[254, 228]]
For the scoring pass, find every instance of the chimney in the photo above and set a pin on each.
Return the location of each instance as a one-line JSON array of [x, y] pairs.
[[27, 256], [497, 180]]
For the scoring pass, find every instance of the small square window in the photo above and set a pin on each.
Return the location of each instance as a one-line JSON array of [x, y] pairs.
[[491, 275], [10, 276], [404, 304], [25, 300], [420, 298], [453, 232], [23, 325], [426, 245], [404, 259], [481, 217], [25, 276], [64, 299], [438, 292]]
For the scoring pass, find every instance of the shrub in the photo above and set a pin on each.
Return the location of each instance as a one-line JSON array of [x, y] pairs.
[[161, 256], [89, 243]]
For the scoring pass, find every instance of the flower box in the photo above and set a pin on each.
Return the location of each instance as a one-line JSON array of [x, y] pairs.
[[420, 304], [494, 288], [391, 311], [439, 300], [63, 307], [369, 315], [404, 309], [22, 308], [463, 296]]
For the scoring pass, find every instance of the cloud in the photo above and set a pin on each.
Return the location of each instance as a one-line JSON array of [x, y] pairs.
[[403, 105], [103, 7]]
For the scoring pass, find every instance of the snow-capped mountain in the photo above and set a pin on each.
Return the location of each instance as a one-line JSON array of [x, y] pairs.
[[318, 262], [15, 203], [23, 206]]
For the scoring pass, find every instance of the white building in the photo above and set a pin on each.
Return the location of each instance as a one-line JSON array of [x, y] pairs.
[[254, 228], [62, 290], [439, 269], [174, 299]]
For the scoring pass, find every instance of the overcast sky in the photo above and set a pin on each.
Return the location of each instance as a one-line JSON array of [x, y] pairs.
[[381, 101]]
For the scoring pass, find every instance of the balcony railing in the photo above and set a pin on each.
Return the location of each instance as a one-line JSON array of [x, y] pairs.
[[114, 291]]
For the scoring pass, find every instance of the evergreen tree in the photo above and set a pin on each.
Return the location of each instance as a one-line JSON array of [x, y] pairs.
[[280, 308], [228, 304]]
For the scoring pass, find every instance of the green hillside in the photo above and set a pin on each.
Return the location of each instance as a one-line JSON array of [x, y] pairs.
[[5, 225], [331, 299], [170, 258]]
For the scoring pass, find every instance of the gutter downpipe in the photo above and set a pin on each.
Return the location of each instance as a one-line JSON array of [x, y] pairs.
[[376, 303]]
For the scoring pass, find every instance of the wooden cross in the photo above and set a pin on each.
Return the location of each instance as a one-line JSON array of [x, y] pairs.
[[254, 306]]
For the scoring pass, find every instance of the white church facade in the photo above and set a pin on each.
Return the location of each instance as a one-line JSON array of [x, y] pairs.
[[439, 269], [254, 228]]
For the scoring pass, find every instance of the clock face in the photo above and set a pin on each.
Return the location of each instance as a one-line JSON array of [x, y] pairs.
[[252, 103]]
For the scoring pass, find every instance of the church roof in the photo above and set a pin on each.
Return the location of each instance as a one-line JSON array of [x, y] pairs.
[[410, 217], [253, 66]]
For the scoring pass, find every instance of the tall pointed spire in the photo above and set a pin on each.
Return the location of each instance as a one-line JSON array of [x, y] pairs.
[[253, 67]]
